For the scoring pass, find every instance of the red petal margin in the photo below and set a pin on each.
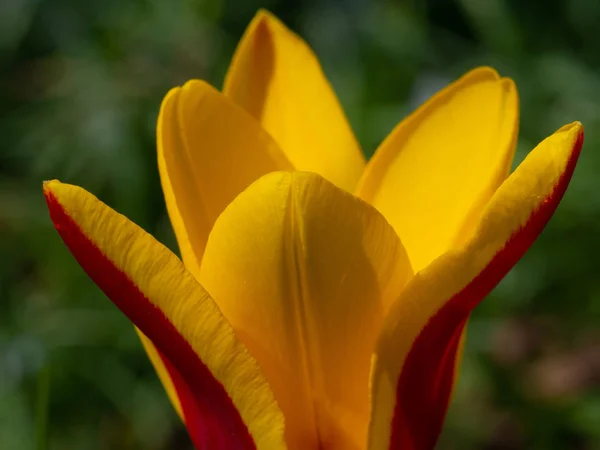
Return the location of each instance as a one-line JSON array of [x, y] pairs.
[[425, 385], [212, 420]]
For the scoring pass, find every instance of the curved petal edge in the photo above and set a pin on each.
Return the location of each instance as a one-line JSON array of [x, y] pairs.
[[165, 377], [209, 150], [435, 172], [305, 272], [276, 77], [415, 360], [228, 403]]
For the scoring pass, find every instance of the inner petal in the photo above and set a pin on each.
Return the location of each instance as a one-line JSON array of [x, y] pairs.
[[437, 169], [305, 272]]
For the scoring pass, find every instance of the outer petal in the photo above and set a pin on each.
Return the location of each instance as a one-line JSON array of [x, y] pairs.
[[435, 172], [156, 358], [225, 399], [414, 363], [209, 150], [305, 272], [277, 78]]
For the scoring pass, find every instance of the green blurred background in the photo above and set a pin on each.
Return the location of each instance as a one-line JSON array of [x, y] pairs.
[[81, 84]]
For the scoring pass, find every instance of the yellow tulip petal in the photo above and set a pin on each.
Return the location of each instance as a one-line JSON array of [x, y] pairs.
[[435, 172], [414, 364], [209, 150], [277, 78], [305, 272], [225, 399]]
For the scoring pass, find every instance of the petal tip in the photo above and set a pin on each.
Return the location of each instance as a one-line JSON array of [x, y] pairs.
[[171, 92], [488, 73], [196, 83], [264, 15], [508, 84], [574, 133], [579, 129], [484, 72], [265, 21], [573, 127], [49, 187]]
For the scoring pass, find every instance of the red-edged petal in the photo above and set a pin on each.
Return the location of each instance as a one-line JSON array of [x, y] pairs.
[[415, 358], [226, 401]]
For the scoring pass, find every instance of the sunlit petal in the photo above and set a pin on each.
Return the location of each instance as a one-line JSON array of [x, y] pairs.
[[414, 365], [209, 150], [277, 78], [435, 172], [226, 401], [305, 272]]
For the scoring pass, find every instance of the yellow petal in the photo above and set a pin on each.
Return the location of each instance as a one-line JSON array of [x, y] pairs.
[[277, 78], [304, 272], [225, 399], [414, 363], [435, 172], [209, 150]]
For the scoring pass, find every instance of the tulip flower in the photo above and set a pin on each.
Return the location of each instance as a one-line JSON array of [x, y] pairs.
[[322, 300]]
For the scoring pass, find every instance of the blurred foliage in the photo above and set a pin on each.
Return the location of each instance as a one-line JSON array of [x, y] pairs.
[[80, 88]]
